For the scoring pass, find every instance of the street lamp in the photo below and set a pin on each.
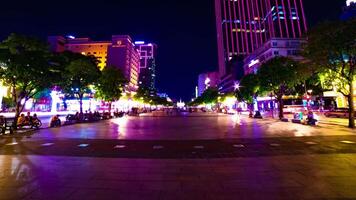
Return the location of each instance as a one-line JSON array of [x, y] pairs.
[[237, 86]]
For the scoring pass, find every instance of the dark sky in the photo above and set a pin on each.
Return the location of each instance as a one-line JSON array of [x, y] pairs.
[[183, 29]]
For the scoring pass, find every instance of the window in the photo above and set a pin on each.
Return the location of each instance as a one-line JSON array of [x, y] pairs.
[[276, 53]]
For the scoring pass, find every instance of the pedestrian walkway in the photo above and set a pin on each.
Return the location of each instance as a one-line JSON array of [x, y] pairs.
[[277, 177]]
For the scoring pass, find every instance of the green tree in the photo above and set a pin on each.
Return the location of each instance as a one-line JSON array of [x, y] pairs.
[[25, 66], [80, 73], [157, 100], [248, 90], [110, 85], [279, 76], [144, 94], [209, 96], [331, 51]]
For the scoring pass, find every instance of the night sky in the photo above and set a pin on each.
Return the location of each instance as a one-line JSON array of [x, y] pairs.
[[183, 29]]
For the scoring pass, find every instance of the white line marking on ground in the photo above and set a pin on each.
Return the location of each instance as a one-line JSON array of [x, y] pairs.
[[158, 147], [12, 144], [47, 144], [120, 147], [311, 143], [347, 142], [83, 145]]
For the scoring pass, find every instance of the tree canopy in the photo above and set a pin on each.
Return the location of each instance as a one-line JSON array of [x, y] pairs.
[[110, 85], [331, 51], [80, 73], [209, 96], [25, 65], [279, 76], [249, 88]]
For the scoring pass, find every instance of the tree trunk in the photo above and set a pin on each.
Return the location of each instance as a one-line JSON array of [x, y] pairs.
[[280, 106], [17, 114], [250, 106], [81, 103], [272, 106], [110, 103], [351, 106], [17, 108]]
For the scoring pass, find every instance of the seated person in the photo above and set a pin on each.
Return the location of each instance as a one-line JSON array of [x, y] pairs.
[[28, 118], [35, 121], [310, 118], [258, 115], [21, 121], [55, 121], [35, 118]]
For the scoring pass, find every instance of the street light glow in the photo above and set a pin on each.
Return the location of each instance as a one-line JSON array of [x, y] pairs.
[[237, 86]]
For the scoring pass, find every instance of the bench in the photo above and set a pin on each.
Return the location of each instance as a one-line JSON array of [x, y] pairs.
[[297, 121], [6, 124], [284, 120]]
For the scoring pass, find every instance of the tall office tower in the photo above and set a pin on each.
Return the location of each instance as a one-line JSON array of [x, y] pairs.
[[148, 54], [119, 52], [349, 11], [122, 53], [245, 25]]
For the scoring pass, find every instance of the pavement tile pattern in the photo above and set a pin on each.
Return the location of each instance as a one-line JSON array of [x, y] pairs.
[[180, 158]]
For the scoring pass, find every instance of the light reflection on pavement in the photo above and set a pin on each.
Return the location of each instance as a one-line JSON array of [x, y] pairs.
[[223, 157], [189, 128]]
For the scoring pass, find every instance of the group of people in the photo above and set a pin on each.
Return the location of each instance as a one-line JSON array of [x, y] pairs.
[[34, 121], [310, 119], [55, 121], [28, 120]]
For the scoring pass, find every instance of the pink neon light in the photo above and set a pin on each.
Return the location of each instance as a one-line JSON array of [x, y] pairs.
[[226, 32], [236, 33], [232, 37], [245, 27], [253, 18], [279, 20], [270, 24], [291, 19], [298, 23], [241, 27], [304, 20], [249, 24], [285, 19]]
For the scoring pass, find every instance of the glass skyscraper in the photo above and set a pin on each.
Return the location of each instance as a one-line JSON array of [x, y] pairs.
[[245, 25]]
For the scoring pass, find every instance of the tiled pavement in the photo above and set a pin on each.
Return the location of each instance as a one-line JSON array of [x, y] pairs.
[[277, 177], [270, 161]]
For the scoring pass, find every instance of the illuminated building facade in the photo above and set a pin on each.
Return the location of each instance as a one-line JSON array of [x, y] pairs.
[[120, 52], [243, 26], [349, 11], [81, 45], [273, 48], [148, 54], [206, 80]]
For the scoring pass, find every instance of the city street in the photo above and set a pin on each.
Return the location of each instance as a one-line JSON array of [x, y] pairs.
[[192, 157]]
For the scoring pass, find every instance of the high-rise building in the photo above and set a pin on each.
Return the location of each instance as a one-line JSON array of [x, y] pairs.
[[349, 11], [148, 54], [120, 52], [245, 25], [206, 80], [286, 47]]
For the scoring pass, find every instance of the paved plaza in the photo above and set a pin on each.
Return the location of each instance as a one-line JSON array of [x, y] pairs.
[[200, 157]]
